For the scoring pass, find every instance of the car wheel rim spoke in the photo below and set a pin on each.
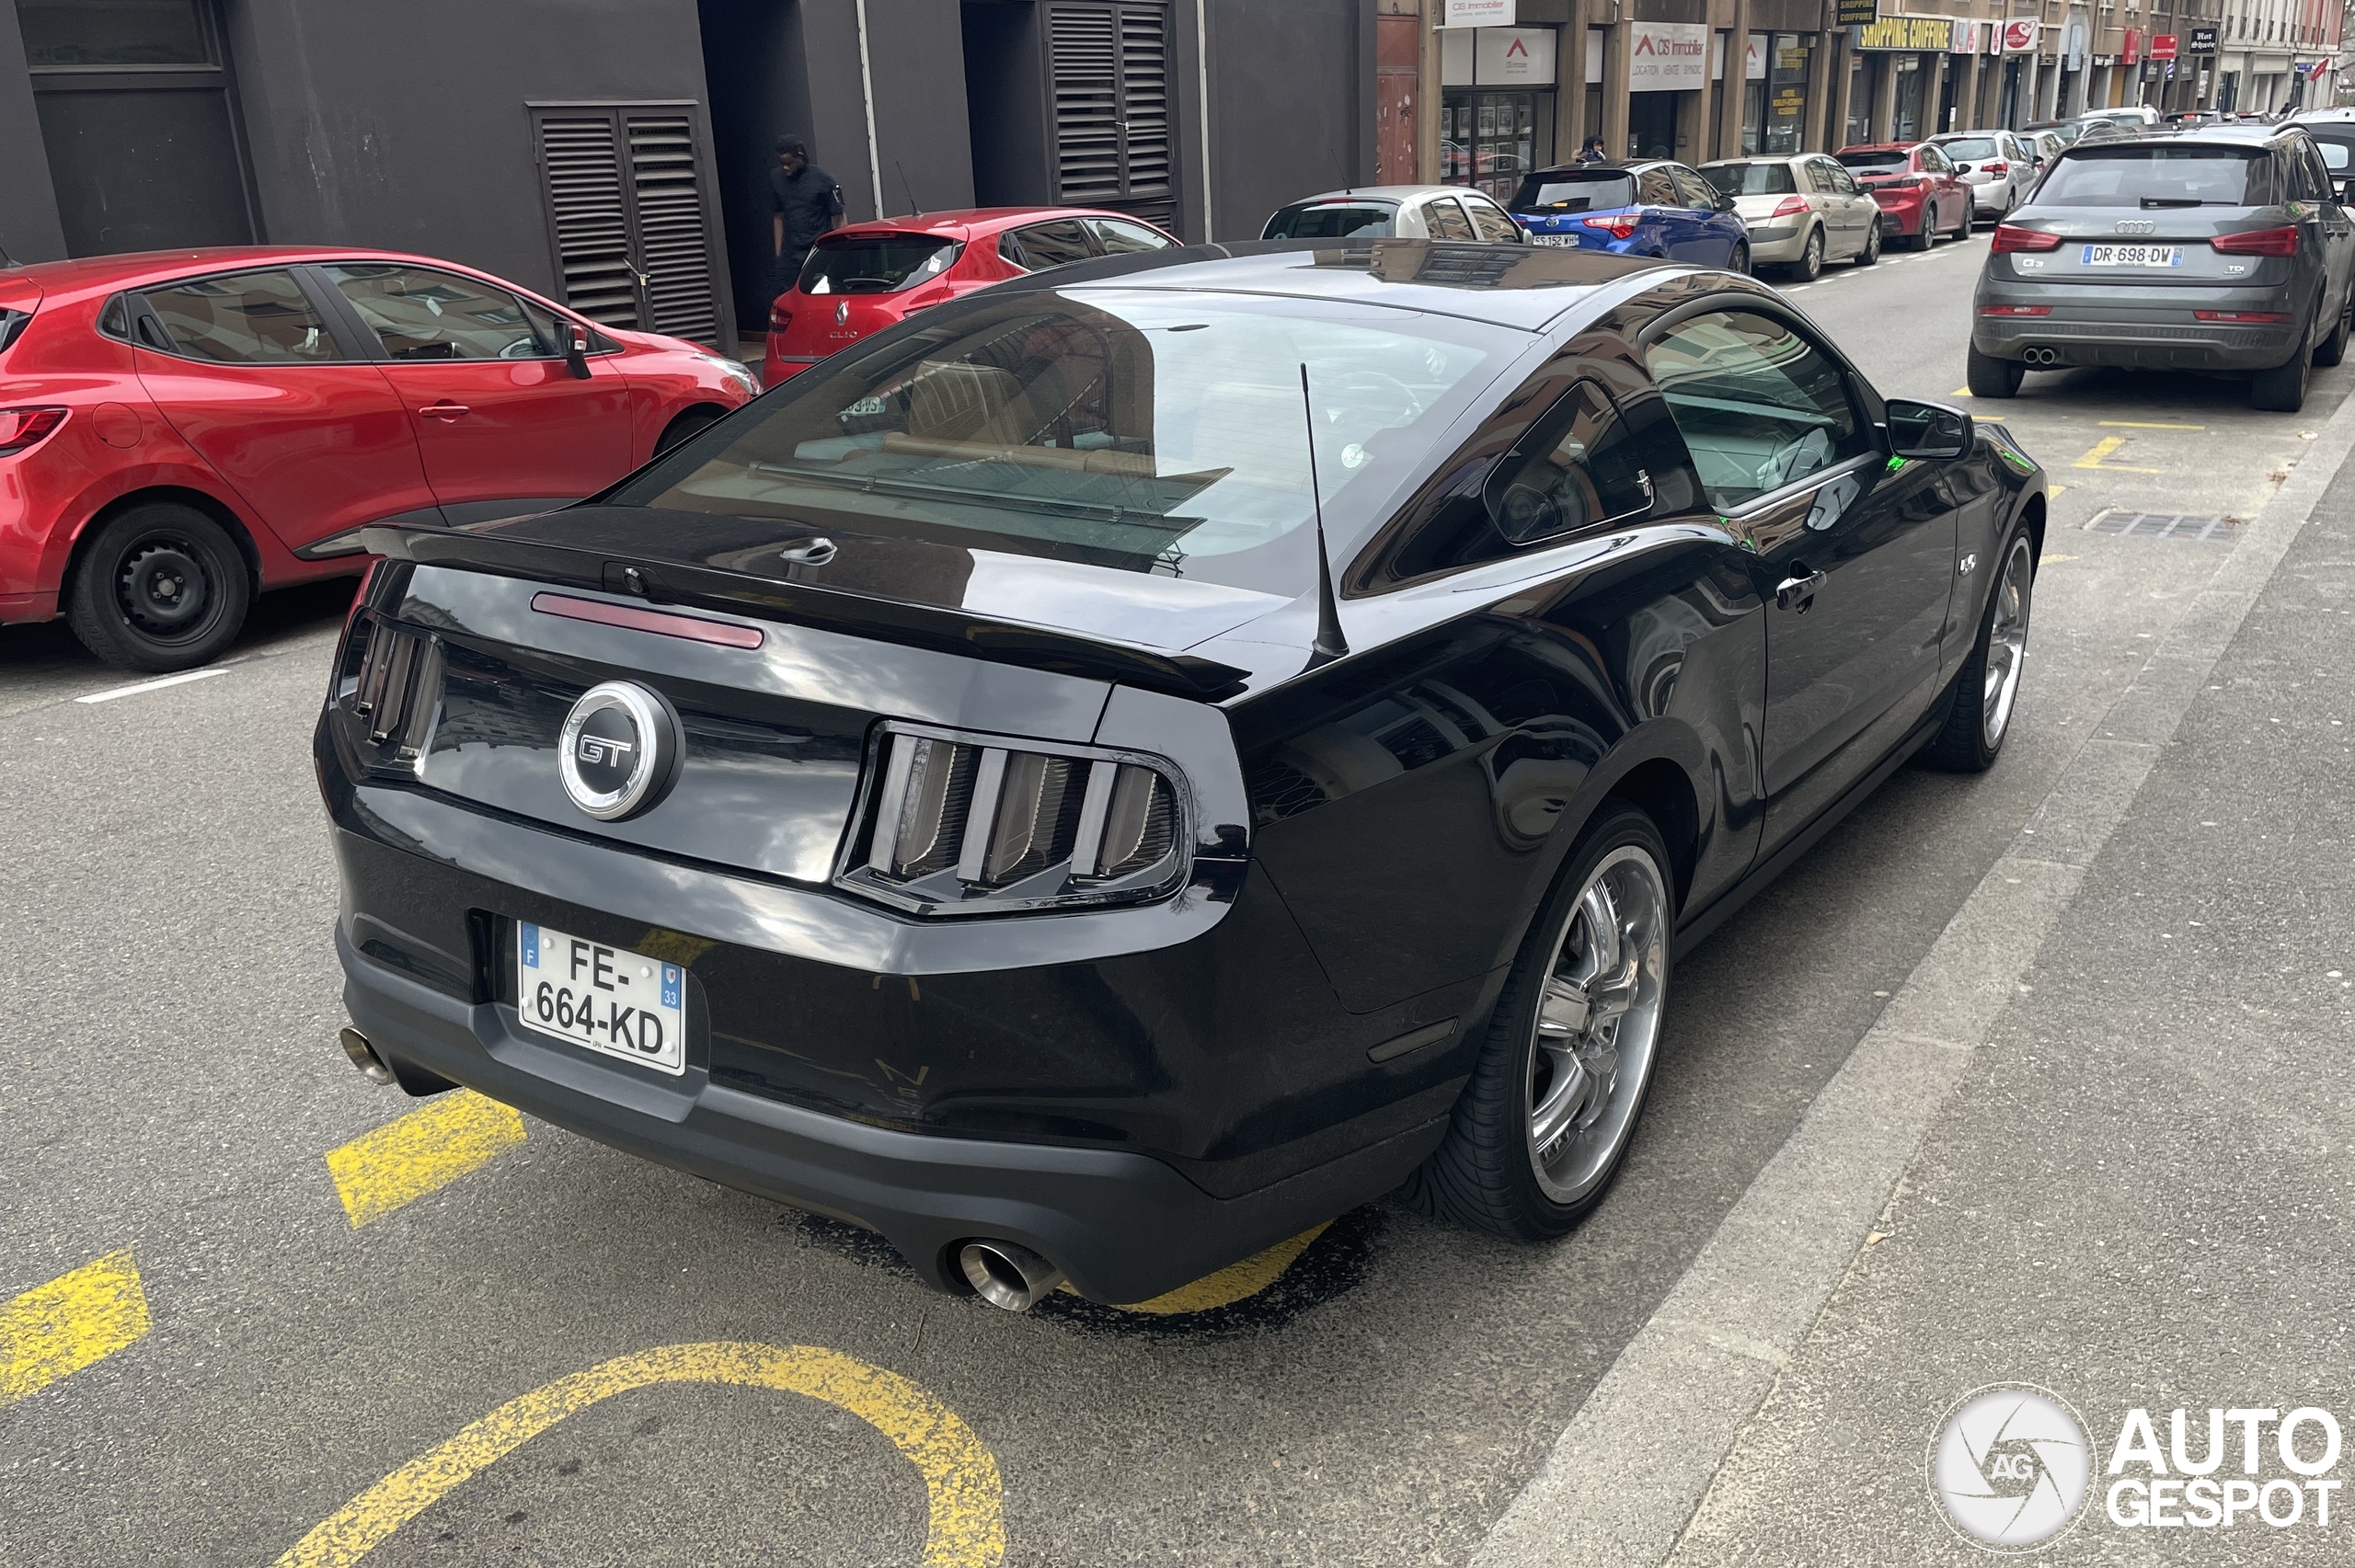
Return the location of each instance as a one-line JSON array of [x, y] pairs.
[[2006, 643], [1597, 1023]]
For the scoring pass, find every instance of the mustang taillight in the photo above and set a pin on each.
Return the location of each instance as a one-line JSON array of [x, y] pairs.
[[21, 428], [400, 683], [974, 824], [2010, 238], [2258, 241], [1619, 225]]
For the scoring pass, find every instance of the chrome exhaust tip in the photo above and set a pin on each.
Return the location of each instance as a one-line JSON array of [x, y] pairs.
[[363, 1057], [1007, 1276]]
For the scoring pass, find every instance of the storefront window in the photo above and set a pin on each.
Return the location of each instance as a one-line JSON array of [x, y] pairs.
[[1787, 99], [1490, 140], [1860, 102], [1905, 121]]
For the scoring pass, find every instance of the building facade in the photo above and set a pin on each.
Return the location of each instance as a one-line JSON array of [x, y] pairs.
[[615, 154]]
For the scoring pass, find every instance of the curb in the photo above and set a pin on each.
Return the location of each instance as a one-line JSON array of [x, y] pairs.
[[1635, 1461]]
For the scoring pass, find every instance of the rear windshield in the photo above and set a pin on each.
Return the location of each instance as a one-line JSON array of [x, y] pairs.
[[1575, 192], [1751, 180], [2334, 155], [1331, 219], [874, 264], [1969, 148], [2143, 174], [1147, 429], [1875, 163]]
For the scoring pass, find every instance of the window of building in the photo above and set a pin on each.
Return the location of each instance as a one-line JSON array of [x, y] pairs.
[[1489, 140]]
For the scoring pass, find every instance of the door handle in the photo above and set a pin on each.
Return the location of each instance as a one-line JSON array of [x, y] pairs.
[[1799, 588], [445, 409]]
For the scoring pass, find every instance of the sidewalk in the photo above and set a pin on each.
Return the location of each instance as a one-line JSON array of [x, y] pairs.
[[2133, 1163], [2137, 1194]]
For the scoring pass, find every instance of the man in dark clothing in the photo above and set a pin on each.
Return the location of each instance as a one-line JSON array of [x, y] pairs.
[[808, 202]]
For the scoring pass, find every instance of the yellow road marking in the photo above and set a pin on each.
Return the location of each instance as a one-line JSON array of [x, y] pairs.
[[1959, 392], [76, 1318], [1236, 1282], [2053, 560], [2055, 490], [2139, 425], [404, 1159], [2101, 450], [968, 1524]]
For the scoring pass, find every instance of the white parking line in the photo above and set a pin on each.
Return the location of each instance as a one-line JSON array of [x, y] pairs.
[[157, 685]]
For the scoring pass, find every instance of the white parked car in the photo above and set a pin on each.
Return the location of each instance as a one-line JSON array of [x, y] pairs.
[[1401, 212], [1998, 165], [1802, 212]]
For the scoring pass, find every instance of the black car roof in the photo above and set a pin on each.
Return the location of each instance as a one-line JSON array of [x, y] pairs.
[[1516, 285], [2231, 135]]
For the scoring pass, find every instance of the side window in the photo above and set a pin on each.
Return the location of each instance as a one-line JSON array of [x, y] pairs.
[[1490, 220], [2317, 178], [246, 318], [1578, 466], [1840, 179], [1934, 161], [1446, 219], [1759, 406], [1042, 245], [420, 313], [1120, 238], [1693, 190], [1654, 189]]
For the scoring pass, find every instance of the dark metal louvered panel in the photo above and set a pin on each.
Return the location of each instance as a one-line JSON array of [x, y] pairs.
[[1084, 58], [1144, 109], [673, 236], [582, 163]]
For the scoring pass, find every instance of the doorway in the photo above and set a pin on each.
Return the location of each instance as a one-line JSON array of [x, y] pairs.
[[138, 117], [1651, 125]]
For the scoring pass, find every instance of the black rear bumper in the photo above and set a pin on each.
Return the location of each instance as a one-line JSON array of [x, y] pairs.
[[1124, 1227]]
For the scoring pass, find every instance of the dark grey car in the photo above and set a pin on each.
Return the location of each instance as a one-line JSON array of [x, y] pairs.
[[2225, 248]]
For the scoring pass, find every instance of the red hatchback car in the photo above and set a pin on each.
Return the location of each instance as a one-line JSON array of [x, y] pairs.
[[181, 430], [1921, 195], [862, 279]]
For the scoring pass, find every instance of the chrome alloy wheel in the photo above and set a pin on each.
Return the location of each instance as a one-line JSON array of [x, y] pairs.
[[2006, 642], [1597, 1025]]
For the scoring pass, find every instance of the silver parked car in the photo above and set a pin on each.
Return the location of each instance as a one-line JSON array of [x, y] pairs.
[[1396, 212], [2223, 249], [1999, 167], [1802, 212]]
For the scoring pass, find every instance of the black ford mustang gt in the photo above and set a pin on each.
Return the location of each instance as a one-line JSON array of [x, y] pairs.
[[1118, 769]]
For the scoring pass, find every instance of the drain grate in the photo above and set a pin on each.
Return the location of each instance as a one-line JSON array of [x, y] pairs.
[[2159, 524]]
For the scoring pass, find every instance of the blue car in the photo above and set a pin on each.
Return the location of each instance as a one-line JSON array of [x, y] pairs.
[[1651, 208]]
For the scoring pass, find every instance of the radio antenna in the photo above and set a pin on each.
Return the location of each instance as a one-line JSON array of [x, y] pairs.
[[913, 210], [1348, 186], [1329, 643]]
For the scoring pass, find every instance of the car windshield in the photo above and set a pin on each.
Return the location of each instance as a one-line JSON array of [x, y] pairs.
[[1970, 148], [874, 264], [1576, 190], [1751, 180], [1331, 219], [2142, 174], [1875, 163], [1148, 429]]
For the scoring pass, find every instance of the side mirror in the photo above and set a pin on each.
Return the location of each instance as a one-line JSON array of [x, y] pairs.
[[576, 351], [1927, 429]]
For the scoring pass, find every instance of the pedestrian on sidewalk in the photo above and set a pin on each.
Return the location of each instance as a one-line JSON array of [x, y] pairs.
[[807, 203], [1592, 150]]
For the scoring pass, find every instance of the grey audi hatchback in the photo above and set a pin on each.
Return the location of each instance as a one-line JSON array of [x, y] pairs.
[[2225, 248]]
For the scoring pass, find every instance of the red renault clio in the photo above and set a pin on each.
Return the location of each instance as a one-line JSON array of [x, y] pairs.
[[181, 430], [863, 279]]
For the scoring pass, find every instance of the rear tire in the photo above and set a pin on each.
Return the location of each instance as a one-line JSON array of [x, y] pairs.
[[1740, 260], [161, 586], [2282, 389], [1991, 377], [1920, 240], [2333, 348], [1810, 266], [1575, 1087]]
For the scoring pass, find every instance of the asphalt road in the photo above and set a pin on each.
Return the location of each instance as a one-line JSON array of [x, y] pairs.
[[333, 1281]]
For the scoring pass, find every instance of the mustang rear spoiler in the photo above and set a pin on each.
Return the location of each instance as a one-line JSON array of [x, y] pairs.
[[801, 604]]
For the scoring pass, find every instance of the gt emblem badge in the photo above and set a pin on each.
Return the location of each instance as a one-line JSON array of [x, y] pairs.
[[620, 752]]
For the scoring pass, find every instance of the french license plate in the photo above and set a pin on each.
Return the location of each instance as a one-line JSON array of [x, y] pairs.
[[2131, 255], [1567, 242], [608, 999]]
